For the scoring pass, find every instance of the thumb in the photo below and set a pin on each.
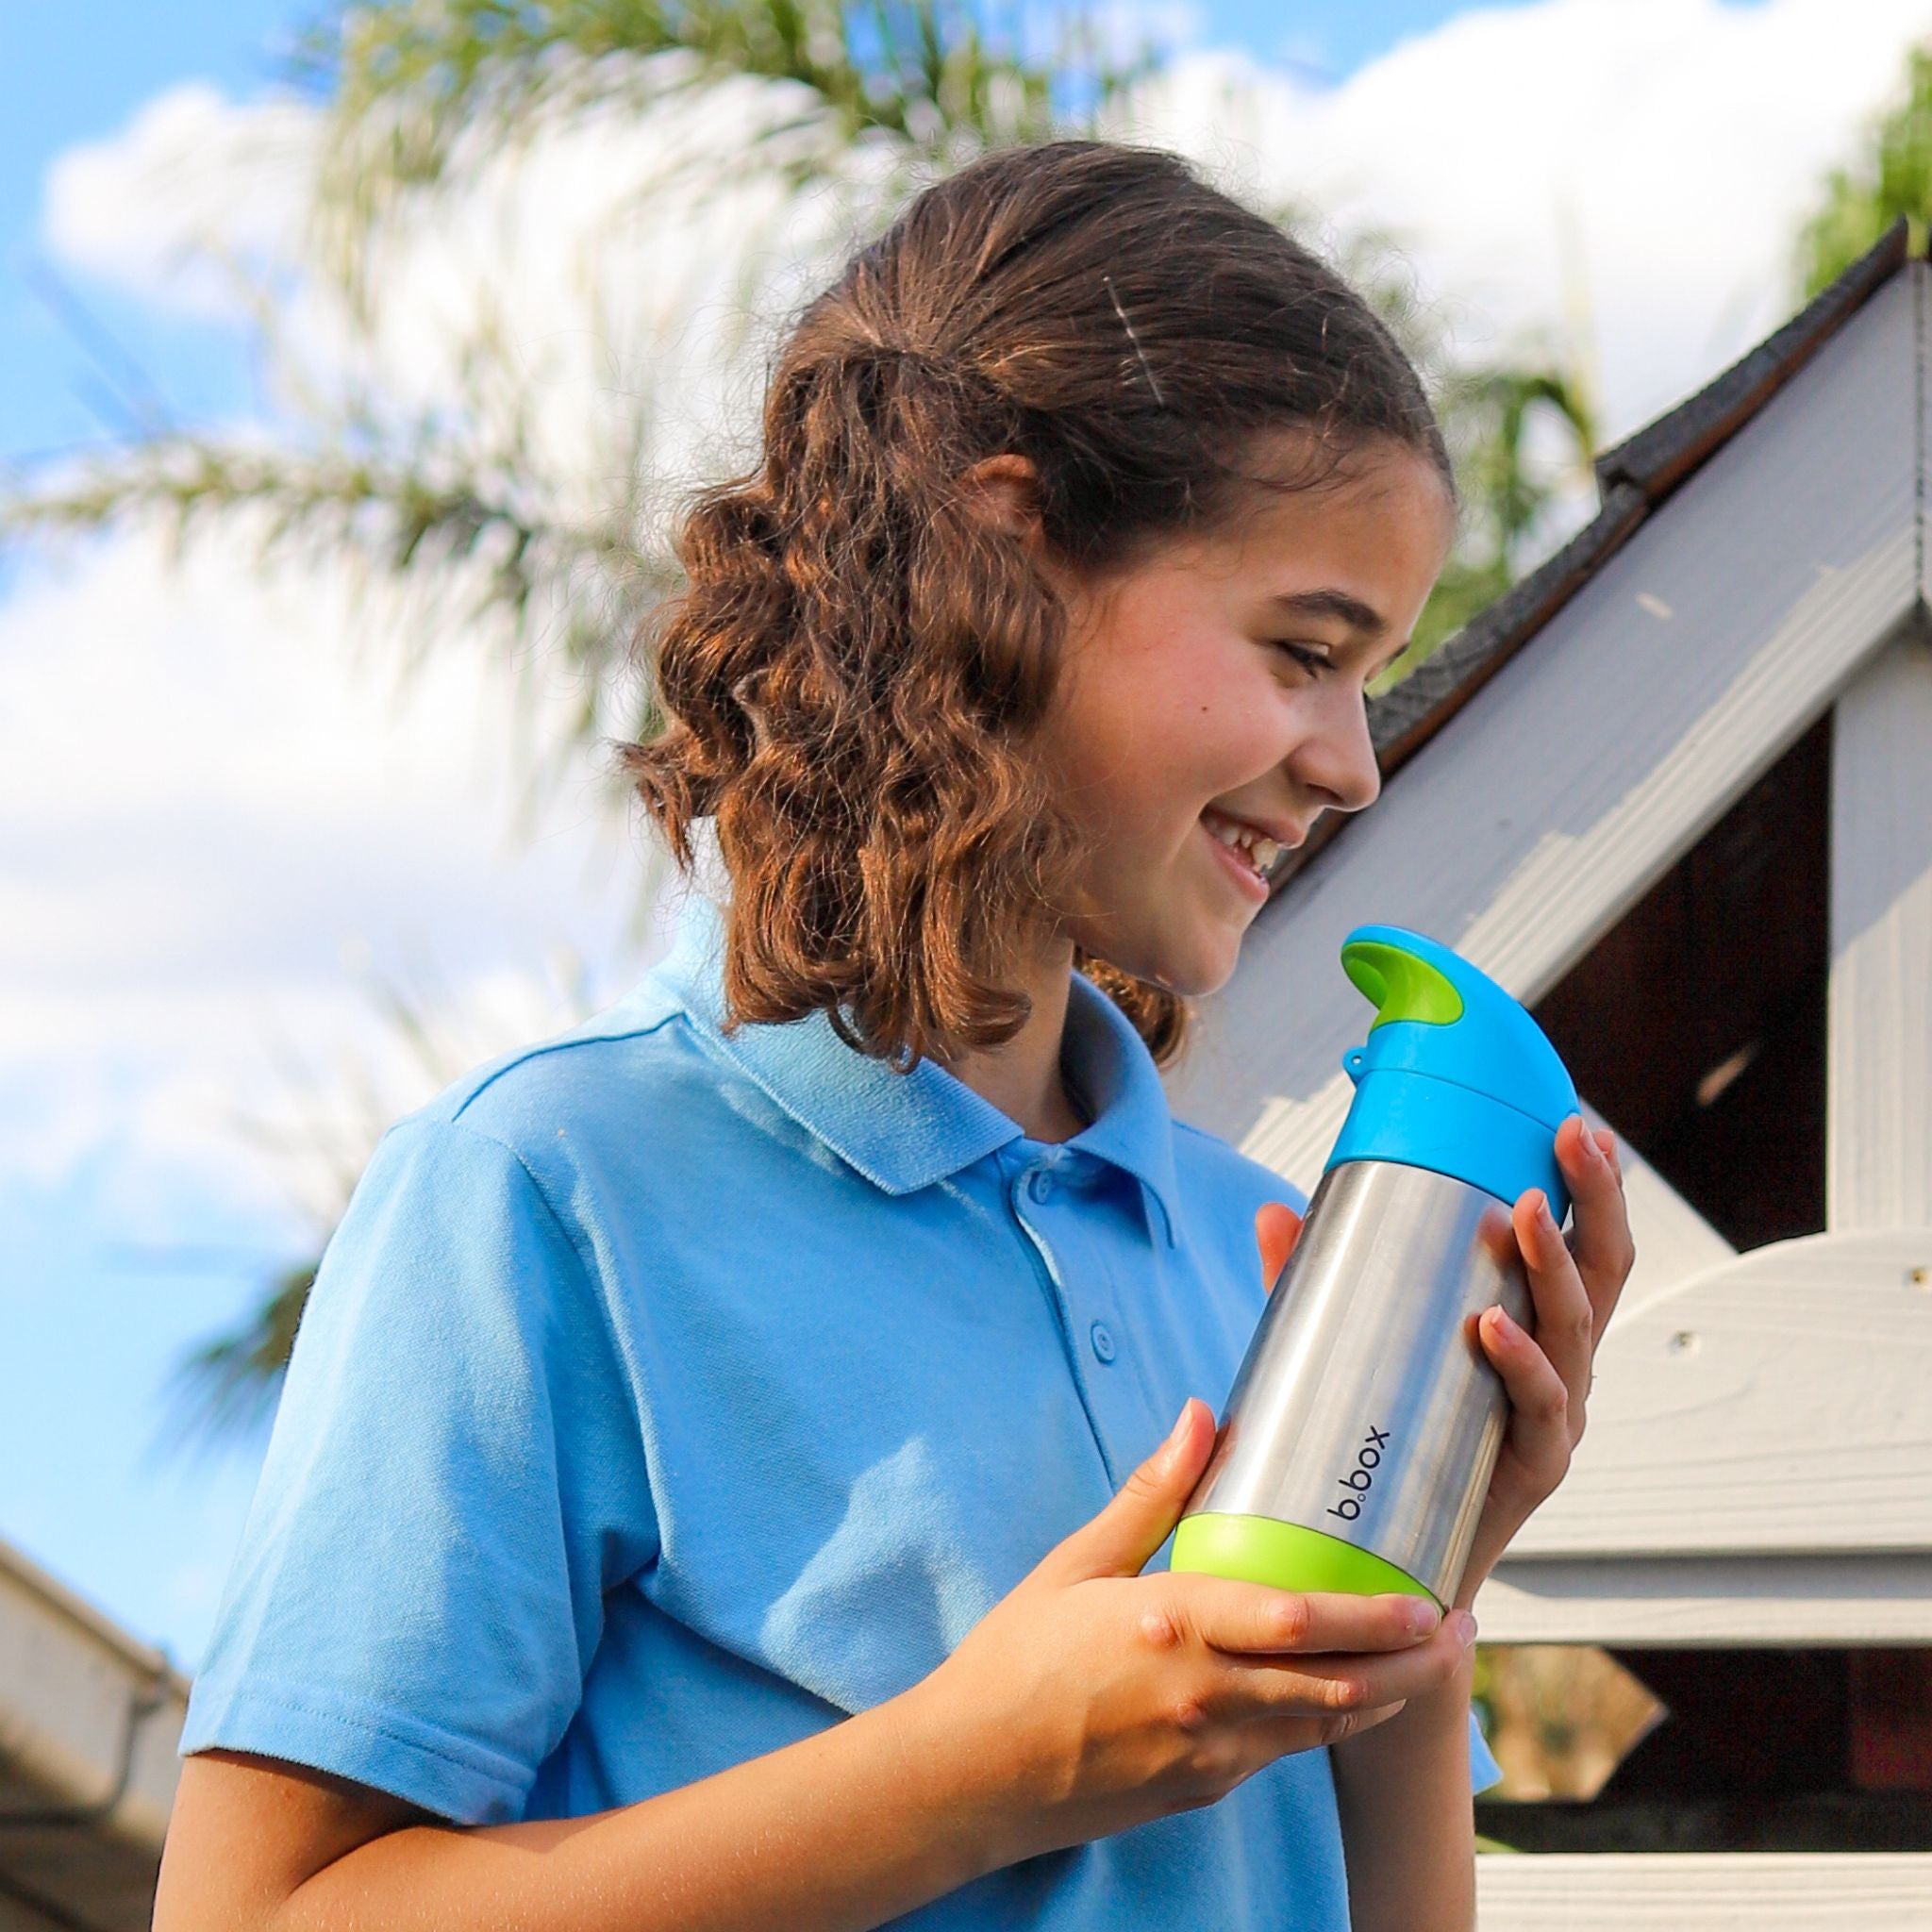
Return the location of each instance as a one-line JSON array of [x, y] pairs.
[[1119, 1541]]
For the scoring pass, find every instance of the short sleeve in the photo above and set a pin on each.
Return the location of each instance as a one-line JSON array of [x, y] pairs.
[[1483, 1769], [455, 1478]]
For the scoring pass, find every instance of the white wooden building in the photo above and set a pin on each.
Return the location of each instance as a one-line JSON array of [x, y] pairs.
[[1674, 792], [89, 1719]]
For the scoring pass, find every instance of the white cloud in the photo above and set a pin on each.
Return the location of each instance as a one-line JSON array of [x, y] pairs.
[[190, 178], [217, 798], [1120, 30], [1682, 140], [209, 795]]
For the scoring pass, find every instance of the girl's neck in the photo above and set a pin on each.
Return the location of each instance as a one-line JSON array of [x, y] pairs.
[[1021, 1077]]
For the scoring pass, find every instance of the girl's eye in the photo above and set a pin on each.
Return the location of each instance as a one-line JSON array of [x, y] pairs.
[[1310, 660]]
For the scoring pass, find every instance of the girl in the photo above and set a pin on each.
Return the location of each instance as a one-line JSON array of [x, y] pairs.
[[719, 1473]]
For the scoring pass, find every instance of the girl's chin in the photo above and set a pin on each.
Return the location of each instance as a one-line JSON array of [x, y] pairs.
[[1197, 970], [1193, 959]]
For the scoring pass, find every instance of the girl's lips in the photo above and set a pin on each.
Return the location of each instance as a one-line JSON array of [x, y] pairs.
[[1251, 883]]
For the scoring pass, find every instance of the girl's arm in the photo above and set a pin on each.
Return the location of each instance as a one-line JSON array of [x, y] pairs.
[[1407, 1822], [841, 1831]]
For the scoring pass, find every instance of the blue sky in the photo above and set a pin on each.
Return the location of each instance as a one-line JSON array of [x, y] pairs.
[[115, 1257]]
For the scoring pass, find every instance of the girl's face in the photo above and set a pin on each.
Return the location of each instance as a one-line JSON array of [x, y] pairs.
[[1215, 690]]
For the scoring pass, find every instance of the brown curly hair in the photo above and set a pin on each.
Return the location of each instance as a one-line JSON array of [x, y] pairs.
[[851, 676]]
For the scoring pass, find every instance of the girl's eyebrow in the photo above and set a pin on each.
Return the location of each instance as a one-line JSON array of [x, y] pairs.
[[1331, 601]]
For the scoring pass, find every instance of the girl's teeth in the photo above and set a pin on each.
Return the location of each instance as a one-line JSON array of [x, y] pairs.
[[1259, 849]]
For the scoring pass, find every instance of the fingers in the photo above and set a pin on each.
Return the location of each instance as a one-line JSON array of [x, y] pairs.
[[1258, 1742], [1541, 1429], [1248, 1745], [1277, 1228], [1565, 1318], [1320, 1684], [1600, 1239], [1271, 1736], [1230, 1615], [1574, 1285]]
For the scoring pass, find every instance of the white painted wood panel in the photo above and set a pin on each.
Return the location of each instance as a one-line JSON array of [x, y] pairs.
[[1878, 1112], [1599, 754], [1717, 1602], [1779, 1402], [1709, 1891]]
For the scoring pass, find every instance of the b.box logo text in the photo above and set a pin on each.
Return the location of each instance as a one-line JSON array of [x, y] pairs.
[[1361, 1478]]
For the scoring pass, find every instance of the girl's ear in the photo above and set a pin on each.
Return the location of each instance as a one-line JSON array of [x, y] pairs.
[[1004, 489]]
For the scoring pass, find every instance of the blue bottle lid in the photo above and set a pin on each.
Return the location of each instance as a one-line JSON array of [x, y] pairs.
[[1454, 1076]]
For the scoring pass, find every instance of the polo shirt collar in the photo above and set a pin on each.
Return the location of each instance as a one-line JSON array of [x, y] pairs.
[[903, 1131]]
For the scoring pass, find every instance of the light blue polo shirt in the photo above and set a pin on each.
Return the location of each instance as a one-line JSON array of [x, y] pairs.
[[663, 1398]]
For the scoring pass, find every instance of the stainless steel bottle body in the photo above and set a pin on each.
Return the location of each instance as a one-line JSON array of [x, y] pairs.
[[1365, 1407]]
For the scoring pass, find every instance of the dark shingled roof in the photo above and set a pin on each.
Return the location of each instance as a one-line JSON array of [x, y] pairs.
[[1633, 478]]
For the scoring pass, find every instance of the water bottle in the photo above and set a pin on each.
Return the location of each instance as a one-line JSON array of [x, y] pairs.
[[1357, 1446]]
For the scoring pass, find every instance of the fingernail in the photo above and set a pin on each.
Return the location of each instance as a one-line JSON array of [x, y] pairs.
[[1423, 1618], [1543, 1211], [1465, 1628], [1502, 1321], [1179, 1429]]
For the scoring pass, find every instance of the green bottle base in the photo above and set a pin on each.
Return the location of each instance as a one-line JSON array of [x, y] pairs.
[[1257, 1549]]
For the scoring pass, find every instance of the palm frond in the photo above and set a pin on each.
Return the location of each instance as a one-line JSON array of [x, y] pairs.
[[424, 506], [223, 1391], [421, 89]]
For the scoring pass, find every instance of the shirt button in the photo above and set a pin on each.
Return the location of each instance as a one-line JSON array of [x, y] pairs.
[[1040, 1186], [1102, 1340]]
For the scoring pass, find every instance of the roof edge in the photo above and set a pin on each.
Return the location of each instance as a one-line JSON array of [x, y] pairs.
[[142, 1660]]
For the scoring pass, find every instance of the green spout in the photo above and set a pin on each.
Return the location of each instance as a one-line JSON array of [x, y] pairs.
[[1402, 986]]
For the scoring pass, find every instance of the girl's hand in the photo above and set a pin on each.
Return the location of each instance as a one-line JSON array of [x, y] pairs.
[[1092, 1698], [1574, 1284]]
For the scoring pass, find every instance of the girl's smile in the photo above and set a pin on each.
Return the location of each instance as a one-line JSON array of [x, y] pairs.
[[1245, 853], [1255, 843]]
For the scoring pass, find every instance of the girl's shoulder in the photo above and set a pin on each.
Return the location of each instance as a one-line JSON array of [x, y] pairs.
[[629, 1090]]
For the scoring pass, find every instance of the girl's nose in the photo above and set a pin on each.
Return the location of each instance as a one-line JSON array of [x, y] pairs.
[[1337, 763]]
